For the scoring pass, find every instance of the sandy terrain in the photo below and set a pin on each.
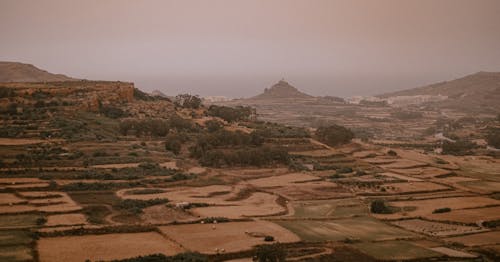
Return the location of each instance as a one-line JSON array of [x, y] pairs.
[[20, 141], [161, 214], [63, 203], [452, 252], [402, 177], [104, 247], [283, 180], [468, 215], [232, 237], [481, 239], [8, 199], [403, 164], [109, 166], [258, 204], [427, 206], [312, 190], [66, 220]]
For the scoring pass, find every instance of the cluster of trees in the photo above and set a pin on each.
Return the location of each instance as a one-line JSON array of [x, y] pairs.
[[458, 148], [252, 156], [136, 205], [213, 125], [274, 130], [231, 114], [156, 127], [188, 101], [379, 207], [224, 138], [6, 92], [227, 148], [182, 257], [174, 142], [493, 137], [271, 253], [334, 135]]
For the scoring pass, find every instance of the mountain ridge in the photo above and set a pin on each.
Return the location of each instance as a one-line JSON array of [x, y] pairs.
[[21, 72]]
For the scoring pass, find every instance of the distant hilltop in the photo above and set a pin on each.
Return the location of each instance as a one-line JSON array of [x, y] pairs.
[[476, 92], [282, 89], [19, 72]]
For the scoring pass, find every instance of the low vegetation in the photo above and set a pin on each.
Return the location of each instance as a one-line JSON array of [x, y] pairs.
[[136, 206], [334, 135], [230, 114]]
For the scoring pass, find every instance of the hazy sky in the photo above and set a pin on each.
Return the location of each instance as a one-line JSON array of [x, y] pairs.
[[237, 48]]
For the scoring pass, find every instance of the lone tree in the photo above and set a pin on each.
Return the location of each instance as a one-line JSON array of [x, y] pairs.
[[334, 135], [270, 253]]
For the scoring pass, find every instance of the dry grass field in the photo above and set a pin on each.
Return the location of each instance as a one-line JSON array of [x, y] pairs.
[[481, 239], [427, 206], [104, 247], [436, 228], [362, 228]]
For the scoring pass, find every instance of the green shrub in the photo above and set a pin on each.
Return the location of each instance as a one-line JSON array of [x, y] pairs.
[[230, 114], [344, 170], [392, 153], [213, 125], [334, 135], [441, 210], [491, 224], [269, 238], [182, 257], [271, 253], [379, 207], [458, 148]]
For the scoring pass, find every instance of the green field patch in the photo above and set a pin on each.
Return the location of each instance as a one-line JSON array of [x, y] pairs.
[[361, 228], [482, 186]]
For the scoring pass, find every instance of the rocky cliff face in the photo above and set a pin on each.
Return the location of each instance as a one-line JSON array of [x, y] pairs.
[[86, 95]]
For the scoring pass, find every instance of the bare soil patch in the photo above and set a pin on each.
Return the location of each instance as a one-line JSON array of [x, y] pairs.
[[162, 214], [475, 215], [283, 180], [66, 220], [258, 204], [232, 237], [104, 247]]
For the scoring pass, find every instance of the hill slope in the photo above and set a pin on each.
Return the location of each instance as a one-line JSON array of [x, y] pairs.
[[282, 89], [19, 72], [476, 91]]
